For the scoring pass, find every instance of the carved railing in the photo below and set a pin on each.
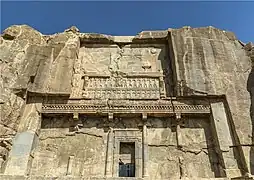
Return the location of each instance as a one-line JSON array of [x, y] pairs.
[[124, 86]]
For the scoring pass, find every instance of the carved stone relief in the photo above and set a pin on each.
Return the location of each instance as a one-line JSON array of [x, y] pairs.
[[121, 88], [112, 67]]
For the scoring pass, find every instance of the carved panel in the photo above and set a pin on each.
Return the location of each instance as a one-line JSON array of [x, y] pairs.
[[129, 72], [121, 88]]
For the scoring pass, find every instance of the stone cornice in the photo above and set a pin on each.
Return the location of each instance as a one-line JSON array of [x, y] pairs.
[[126, 106]]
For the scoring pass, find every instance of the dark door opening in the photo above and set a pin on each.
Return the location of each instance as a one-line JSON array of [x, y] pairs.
[[127, 159]]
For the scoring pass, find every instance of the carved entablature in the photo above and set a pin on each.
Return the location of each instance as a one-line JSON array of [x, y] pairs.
[[127, 106], [124, 86]]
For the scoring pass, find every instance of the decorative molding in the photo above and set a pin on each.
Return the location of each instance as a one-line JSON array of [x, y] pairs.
[[125, 106]]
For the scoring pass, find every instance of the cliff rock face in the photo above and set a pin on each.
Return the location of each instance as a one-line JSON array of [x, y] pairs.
[[196, 63], [30, 60], [212, 61]]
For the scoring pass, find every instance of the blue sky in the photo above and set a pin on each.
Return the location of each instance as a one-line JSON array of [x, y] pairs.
[[129, 17]]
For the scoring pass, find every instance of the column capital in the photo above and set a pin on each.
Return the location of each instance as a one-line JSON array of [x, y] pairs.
[[178, 116], [110, 116], [144, 116], [75, 116]]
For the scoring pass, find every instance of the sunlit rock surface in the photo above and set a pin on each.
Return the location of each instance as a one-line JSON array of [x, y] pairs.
[[171, 104]]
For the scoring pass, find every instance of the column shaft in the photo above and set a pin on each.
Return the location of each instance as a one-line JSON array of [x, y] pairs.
[[145, 151], [109, 156]]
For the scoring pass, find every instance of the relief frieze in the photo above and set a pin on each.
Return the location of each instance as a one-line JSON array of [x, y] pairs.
[[121, 88]]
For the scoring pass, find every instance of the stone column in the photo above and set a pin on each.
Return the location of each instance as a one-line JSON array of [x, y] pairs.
[[179, 138], [115, 164], [139, 157], [26, 139], [110, 147], [109, 156], [224, 140], [145, 146]]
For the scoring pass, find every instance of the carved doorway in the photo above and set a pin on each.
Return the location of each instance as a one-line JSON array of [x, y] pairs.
[[127, 153], [127, 159]]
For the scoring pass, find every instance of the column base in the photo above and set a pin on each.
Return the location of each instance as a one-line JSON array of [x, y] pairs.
[[232, 173], [145, 177], [244, 178]]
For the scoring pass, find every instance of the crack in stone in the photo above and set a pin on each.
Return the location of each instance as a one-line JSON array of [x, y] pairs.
[[50, 137], [8, 127], [192, 151], [162, 145], [95, 135]]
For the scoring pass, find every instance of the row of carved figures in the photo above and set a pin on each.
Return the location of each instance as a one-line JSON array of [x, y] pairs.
[[151, 83], [122, 94]]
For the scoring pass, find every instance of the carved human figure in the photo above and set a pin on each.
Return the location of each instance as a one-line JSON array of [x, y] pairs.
[[118, 94], [145, 84], [156, 84], [143, 94], [130, 83], [101, 83], [88, 83], [124, 84], [141, 83], [106, 83]]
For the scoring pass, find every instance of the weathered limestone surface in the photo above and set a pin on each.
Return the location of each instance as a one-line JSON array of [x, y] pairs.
[[195, 158], [30, 61], [212, 61], [159, 66], [57, 145], [250, 87], [14, 44], [25, 141]]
